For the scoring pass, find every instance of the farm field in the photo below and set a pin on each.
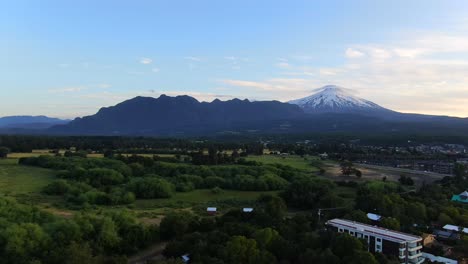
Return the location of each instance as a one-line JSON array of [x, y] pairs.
[[16, 179]]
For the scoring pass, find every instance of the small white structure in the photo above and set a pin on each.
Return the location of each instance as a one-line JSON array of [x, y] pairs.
[[464, 195], [247, 210], [185, 258], [374, 217], [455, 228], [323, 156], [433, 258], [211, 210]]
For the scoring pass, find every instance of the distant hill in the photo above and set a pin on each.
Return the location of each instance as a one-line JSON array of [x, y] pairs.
[[180, 115], [29, 122]]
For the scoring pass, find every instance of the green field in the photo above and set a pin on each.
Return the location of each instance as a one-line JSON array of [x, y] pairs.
[[16, 179], [308, 163]]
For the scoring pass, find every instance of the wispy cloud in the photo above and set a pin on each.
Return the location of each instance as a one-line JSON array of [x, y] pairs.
[[146, 61], [353, 53], [155, 70], [68, 89], [234, 61], [191, 58]]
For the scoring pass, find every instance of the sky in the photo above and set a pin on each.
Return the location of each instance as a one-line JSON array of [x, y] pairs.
[[69, 58]]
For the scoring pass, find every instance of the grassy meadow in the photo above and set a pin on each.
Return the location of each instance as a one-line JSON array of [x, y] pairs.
[[16, 179]]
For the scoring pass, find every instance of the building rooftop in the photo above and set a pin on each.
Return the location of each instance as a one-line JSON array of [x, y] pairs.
[[374, 217], [379, 231], [455, 228]]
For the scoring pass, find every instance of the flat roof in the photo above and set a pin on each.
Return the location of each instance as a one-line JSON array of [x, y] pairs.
[[455, 228], [382, 232]]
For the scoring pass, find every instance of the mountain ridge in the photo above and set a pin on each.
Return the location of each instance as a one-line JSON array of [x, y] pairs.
[[148, 115], [30, 122]]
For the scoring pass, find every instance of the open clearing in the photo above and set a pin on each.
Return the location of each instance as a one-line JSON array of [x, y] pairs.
[[308, 163], [16, 179], [370, 172]]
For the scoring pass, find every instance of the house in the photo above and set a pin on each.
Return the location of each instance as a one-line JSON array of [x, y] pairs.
[[432, 258], [455, 228], [393, 243], [446, 235], [211, 210], [247, 210], [462, 197]]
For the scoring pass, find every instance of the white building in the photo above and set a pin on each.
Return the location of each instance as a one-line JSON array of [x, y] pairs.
[[404, 246]]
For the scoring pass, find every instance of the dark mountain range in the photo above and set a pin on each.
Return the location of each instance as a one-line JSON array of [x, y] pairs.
[[185, 116], [29, 122], [179, 115]]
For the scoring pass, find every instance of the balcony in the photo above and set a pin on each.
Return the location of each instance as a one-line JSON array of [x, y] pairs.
[[414, 255], [414, 248]]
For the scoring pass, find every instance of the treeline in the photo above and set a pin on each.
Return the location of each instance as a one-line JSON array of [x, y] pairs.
[[132, 145], [28, 235]]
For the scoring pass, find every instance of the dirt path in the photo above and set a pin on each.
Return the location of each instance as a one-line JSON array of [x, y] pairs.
[[154, 252]]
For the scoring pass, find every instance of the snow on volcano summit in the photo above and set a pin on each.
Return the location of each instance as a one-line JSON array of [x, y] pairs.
[[332, 98]]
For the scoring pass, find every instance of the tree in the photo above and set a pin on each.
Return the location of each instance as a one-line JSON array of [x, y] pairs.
[[78, 254], [176, 224], [265, 237], [24, 241], [242, 250], [390, 223], [358, 173], [361, 257], [346, 167], [148, 188], [346, 245], [4, 152]]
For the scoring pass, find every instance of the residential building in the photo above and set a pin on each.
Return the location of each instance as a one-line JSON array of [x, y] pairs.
[[393, 243]]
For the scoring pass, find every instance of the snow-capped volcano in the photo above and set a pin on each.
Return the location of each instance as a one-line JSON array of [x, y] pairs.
[[331, 98]]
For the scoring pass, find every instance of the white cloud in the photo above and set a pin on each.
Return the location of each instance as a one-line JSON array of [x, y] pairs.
[[146, 61], [353, 53], [422, 74], [68, 89], [155, 70], [191, 58]]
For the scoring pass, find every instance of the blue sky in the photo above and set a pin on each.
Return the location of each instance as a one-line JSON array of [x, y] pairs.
[[69, 58]]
